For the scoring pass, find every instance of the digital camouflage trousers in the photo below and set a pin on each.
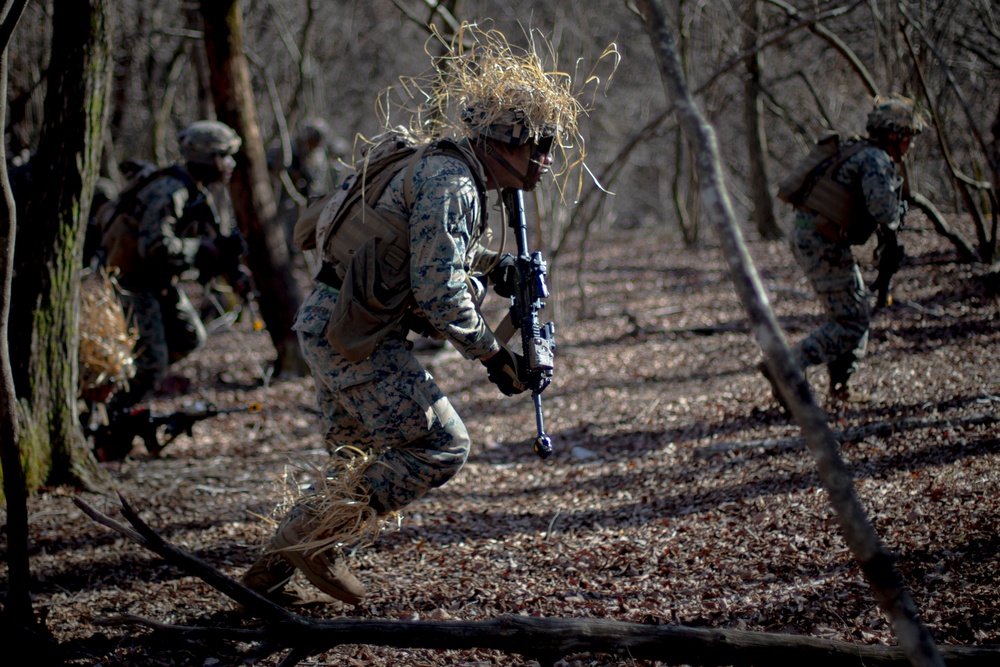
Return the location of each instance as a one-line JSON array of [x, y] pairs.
[[401, 415], [835, 277], [169, 329]]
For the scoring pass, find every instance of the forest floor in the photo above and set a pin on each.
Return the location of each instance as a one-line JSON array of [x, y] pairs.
[[678, 493]]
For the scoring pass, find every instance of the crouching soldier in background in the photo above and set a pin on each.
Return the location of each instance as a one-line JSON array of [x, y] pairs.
[[162, 224]]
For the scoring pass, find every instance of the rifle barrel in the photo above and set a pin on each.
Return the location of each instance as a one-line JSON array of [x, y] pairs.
[[543, 443]]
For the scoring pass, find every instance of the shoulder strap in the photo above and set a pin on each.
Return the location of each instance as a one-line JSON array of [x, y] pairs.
[[850, 150], [411, 166], [127, 196]]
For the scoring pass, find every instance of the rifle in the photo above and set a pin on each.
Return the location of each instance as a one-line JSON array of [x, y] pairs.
[[889, 255], [113, 441], [537, 340], [229, 265]]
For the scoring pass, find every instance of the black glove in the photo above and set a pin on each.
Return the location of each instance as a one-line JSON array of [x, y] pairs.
[[504, 276], [206, 260], [502, 370], [234, 244], [241, 281]]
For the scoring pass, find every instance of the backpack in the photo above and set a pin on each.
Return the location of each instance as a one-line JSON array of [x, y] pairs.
[[369, 250], [120, 229], [810, 185]]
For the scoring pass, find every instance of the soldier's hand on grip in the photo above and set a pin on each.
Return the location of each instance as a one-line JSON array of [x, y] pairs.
[[502, 371], [504, 276]]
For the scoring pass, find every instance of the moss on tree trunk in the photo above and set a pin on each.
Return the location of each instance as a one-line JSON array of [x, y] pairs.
[[45, 306]]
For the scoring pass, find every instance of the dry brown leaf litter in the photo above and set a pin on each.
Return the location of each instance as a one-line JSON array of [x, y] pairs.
[[677, 493]]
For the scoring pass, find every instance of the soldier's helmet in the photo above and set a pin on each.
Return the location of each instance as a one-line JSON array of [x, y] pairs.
[[509, 125], [895, 114], [314, 131], [203, 141]]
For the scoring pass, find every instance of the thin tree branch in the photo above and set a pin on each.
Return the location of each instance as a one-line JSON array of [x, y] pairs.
[[11, 12], [986, 246], [583, 213], [949, 77], [965, 249], [838, 44]]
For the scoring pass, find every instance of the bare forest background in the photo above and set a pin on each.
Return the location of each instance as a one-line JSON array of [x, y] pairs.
[[331, 60], [749, 86]]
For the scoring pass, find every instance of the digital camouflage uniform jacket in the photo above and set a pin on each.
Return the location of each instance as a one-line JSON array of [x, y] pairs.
[[446, 225], [832, 270], [870, 173], [171, 223]]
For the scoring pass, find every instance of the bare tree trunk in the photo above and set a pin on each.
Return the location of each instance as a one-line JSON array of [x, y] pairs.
[[995, 147], [763, 205], [49, 249], [253, 199], [875, 561], [204, 106], [17, 611]]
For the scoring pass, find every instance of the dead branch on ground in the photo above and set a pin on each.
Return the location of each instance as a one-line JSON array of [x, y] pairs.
[[542, 639]]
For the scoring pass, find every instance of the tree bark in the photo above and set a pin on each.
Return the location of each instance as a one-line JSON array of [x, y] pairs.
[[875, 561], [49, 248], [17, 610], [253, 199], [995, 147], [763, 205]]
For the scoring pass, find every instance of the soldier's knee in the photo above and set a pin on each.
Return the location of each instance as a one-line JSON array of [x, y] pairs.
[[855, 329], [444, 452]]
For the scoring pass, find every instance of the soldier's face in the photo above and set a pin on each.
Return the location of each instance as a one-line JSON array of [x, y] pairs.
[[225, 164], [539, 162], [899, 145]]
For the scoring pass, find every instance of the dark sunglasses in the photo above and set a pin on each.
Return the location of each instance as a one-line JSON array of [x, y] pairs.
[[543, 145]]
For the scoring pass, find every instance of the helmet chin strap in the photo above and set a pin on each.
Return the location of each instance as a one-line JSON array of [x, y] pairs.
[[507, 165]]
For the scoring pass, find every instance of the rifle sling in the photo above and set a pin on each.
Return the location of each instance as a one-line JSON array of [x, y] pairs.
[[505, 330]]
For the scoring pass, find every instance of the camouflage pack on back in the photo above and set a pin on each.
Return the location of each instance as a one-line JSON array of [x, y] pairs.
[[810, 185], [118, 224]]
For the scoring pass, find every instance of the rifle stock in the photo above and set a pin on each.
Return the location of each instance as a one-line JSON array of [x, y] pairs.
[[113, 441], [537, 339]]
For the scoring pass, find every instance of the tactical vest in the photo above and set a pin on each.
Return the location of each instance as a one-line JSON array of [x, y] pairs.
[[840, 211], [366, 252]]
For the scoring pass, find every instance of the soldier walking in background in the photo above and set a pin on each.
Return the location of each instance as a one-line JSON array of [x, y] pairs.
[[162, 224], [309, 173], [854, 193]]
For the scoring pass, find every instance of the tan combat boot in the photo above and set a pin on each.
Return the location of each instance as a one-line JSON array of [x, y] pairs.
[[326, 570], [842, 393], [271, 577]]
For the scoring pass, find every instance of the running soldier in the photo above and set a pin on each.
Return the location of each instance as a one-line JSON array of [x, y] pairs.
[[164, 223], [383, 413], [857, 193]]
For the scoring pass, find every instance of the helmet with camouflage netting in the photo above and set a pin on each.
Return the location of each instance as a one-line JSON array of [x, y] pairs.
[[203, 141], [484, 87], [505, 93], [895, 114]]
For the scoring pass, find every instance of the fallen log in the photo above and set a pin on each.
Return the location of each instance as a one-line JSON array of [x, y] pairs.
[[543, 639]]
